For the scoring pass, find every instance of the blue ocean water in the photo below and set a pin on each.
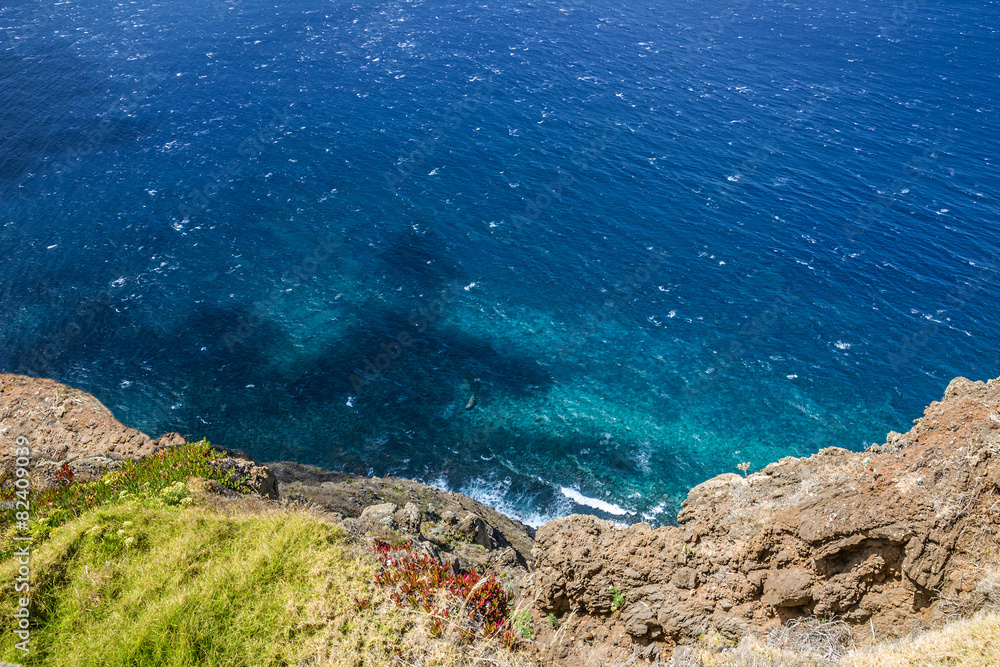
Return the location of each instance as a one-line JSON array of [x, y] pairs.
[[559, 255]]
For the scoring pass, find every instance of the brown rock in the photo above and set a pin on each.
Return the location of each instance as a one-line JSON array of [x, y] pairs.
[[376, 513], [871, 537], [62, 424], [421, 512], [409, 518], [788, 588], [248, 477], [685, 577]]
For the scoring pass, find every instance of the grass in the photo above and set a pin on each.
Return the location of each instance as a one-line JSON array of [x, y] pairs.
[[144, 583], [970, 642], [148, 567], [151, 475]]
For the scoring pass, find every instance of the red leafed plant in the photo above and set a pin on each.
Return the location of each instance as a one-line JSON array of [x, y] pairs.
[[65, 476], [421, 582]]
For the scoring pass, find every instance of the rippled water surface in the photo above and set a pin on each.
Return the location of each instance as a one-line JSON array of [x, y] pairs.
[[561, 256]]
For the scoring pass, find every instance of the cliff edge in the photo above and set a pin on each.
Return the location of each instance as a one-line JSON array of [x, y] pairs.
[[890, 540], [899, 538]]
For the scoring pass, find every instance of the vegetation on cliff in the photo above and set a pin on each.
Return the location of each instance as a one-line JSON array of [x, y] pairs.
[[152, 565], [161, 552]]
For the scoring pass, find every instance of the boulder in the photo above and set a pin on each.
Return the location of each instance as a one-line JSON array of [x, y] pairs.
[[788, 588], [246, 476]]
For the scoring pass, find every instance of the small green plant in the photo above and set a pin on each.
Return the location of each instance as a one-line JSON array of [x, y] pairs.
[[617, 599], [552, 621], [745, 467], [175, 494], [522, 624], [688, 553]]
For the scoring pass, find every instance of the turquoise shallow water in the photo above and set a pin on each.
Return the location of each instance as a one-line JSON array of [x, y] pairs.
[[561, 256]]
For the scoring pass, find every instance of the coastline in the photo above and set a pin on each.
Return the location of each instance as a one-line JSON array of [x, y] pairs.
[[888, 541]]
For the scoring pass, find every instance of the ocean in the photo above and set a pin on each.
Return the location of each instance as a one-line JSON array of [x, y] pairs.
[[561, 256]]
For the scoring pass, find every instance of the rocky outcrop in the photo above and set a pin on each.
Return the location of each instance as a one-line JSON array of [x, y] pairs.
[[247, 476], [66, 426], [73, 435], [450, 526], [890, 540], [62, 423], [70, 431]]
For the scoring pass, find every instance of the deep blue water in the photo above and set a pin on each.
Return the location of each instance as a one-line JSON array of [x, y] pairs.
[[650, 241]]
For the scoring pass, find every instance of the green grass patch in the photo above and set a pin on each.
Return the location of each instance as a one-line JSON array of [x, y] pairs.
[[144, 478], [141, 582]]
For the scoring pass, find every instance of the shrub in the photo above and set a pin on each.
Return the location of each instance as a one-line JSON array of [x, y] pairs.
[[144, 478], [522, 624], [175, 494], [65, 476], [421, 582], [617, 599]]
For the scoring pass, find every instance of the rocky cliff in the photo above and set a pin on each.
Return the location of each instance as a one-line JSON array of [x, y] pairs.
[[71, 431], [890, 540]]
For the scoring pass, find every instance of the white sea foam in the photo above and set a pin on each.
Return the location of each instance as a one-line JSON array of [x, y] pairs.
[[595, 503], [438, 483], [654, 512], [494, 493]]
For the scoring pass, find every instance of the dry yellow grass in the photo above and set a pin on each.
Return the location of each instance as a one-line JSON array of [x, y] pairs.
[[973, 642]]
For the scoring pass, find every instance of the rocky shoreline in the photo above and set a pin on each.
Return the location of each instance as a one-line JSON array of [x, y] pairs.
[[891, 540]]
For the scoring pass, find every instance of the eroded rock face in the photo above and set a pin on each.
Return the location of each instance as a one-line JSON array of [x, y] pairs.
[[449, 526], [879, 538], [876, 538], [62, 424]]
